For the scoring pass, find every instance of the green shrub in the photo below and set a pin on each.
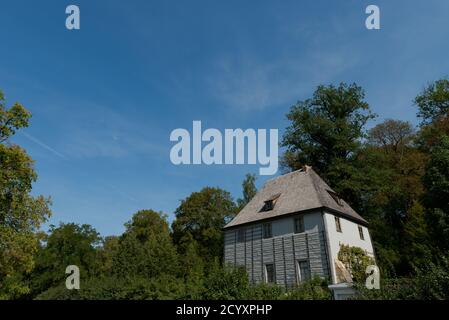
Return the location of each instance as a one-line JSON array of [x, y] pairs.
[[314, 289], [428, 283], [226, 283], [164, 287], [355, 260], [265, 291]]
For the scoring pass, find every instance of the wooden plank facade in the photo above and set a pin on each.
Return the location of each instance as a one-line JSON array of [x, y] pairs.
[[283, 252]]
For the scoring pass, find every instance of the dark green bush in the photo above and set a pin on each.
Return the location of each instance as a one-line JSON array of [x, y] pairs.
[[226, 283], [428, 283], [314, 289], [164, 287]]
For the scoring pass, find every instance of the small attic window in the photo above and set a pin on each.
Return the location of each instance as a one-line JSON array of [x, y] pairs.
[[270, 202], [336, 197]]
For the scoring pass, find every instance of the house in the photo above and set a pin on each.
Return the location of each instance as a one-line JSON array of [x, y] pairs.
[[292, 230]]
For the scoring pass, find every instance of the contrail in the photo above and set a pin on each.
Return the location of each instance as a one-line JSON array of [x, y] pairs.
[[60, 155], [43, 145], [123, 194]]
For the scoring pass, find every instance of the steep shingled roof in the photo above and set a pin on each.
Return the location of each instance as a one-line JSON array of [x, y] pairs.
[[299, 190]]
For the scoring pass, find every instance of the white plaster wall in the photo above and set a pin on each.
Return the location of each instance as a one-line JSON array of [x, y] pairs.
[[348, 236]]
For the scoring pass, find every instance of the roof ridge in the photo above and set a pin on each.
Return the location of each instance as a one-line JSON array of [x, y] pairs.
[[284, 175], [315, 179]]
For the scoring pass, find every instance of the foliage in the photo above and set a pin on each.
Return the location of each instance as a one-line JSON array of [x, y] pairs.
[[433, 102], [201, 217], [226, 283], [436, 199], [67, 244], [265, 291], [391, 135], [249, 190], [193, 270], [106, 254], [12, 119], [314, 289], [381, 177], [416, 249], [146, 248], [117, 288], [394, 169], [325, 132], [229, 283], [355, 260], [429, 282], [21, 214]]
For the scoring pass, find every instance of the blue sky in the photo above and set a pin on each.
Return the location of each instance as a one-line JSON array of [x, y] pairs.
[[105, 98]]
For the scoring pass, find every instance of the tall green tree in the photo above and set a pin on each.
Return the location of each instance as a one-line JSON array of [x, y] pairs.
[[433, 109], [201, 217], [193, 269], [106, 254], [146, 248], [436, 198], [325, 131], [433, 102], [394, 168], [67, 244], [249, 190], [21, 214]]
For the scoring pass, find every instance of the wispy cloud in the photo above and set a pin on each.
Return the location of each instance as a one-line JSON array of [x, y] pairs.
[[248, 84], [96, 131]]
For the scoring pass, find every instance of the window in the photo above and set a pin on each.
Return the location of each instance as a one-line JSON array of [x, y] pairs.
[[337, 224], [269, 273], [299, 224], [241, 235], [269, 205], [362, 236], [267, 230], [271, 202], [303, 269]]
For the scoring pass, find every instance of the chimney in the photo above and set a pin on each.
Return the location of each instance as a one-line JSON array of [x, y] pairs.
[[306, 168]]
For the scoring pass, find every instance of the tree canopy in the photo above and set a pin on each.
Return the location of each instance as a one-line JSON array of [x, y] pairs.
[[201, 217], [21, 214], [249, 190], [325, 132]]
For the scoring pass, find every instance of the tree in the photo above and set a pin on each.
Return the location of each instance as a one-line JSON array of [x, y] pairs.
[[226, 283], [12, 119], [391, 134], [249, 190], [193, 270], [399, 162], [21, 214], [429, 282], [67, 244], [106, 254], [433, 102], [326, 132], [436, 198], [146, 248], [416, 243], [201, 217], [394, 168], [433, 108]]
